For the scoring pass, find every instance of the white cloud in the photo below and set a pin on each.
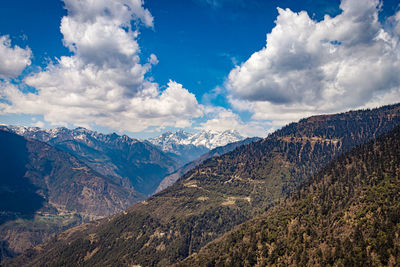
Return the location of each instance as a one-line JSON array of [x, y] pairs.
[[174, 106], [13, 59], [99, 32], [103, 83], [310, 67], [221, 119], [120, 11]]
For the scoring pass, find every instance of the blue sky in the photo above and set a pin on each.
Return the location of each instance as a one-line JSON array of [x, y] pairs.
[[194, 64]]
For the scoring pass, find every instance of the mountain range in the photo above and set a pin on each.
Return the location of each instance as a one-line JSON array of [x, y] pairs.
[[226, 191], [103, 174], [133, 162]]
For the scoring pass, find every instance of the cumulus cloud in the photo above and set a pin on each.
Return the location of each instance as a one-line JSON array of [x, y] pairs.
[[221, 119], [174, 106], [310, 67], [104, 82], [13, 59]]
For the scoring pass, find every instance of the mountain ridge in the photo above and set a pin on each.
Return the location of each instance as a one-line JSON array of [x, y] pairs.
[[346, 215], [130, 162], [170, 151], [218, 151]]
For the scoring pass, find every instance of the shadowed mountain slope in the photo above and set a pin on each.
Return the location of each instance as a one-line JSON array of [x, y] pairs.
[[44, 190], [18, 195], [347, 215], [216, 196]]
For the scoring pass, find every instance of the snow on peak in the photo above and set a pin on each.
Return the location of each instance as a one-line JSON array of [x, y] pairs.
[[79, 134], [24, 131], [208, 139], [213, 139], [168, 141]]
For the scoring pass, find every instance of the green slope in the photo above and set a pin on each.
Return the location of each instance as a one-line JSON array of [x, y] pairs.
[[347, 215], [216, 196]]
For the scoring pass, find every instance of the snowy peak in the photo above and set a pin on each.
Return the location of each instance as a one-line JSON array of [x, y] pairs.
[[170, 137], [168, 141], [207, 139], [79, 134], [212, 139]]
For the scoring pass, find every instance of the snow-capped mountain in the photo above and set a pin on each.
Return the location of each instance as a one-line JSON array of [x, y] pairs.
[[207, 139], [137, 163], [189, 146], [213, 139], [64, 134]]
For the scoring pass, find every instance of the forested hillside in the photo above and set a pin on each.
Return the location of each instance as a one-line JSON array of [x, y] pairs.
[[346, 215], [218, 151]]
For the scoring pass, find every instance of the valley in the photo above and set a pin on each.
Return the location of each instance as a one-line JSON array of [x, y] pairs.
[[125, 164]]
